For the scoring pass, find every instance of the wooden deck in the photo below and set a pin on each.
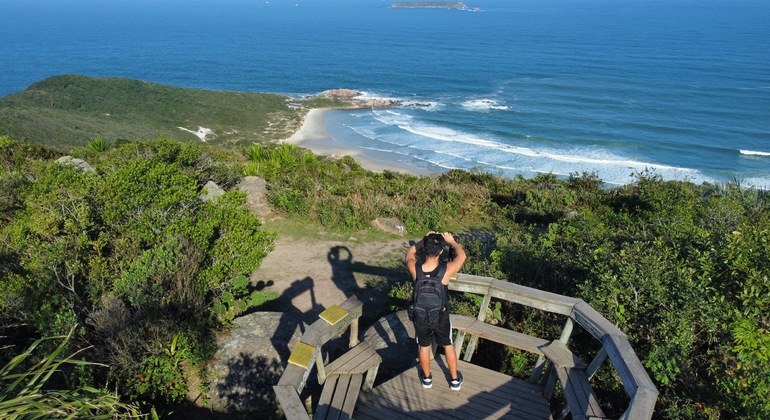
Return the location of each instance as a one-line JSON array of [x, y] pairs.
[[485, 394]]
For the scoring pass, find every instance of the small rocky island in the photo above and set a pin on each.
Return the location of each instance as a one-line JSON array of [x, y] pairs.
[[429, 5]]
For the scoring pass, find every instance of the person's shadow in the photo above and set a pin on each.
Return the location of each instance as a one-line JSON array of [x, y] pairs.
[[373, 296]]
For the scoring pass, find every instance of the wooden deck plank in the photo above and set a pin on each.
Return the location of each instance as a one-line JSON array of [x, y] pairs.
[[467, 406], [428, 404], [354, 387], [340, 392], [488, 385], [485, 394]]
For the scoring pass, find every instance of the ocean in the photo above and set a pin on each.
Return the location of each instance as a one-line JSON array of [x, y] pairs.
[[676, 88]]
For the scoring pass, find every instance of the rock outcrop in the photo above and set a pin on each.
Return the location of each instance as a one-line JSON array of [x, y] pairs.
[[391, 225], [79, 163], [256, 195], [210, 191], [354, 99], [249, 361]]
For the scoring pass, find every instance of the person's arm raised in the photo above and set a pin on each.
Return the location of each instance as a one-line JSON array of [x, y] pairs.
[[454, 266], [410, 259]]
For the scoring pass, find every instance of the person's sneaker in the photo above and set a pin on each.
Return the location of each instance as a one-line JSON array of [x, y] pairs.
[[456, 383], [427, 381]]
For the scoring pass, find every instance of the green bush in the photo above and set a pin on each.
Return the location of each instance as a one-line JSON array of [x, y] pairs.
[[132, 253], [682, 269]]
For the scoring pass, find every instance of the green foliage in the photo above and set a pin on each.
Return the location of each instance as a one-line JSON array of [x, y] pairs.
[[682, 269], [70, 108], [28, 388], [160, 377], [340, 194], [134, 254], [152, 271], [97, 144]]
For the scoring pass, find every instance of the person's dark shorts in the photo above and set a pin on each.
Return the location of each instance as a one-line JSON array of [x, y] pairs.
[[442, 333]]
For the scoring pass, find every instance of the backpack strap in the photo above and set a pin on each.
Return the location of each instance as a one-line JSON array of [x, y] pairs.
[[440, 275]]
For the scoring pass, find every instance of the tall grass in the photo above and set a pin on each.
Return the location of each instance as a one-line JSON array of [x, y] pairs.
[[98, 145], [25, 393]]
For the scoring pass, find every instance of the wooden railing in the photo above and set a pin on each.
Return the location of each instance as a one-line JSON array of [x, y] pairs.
[[556, 362], [346, 372], [562, 365]]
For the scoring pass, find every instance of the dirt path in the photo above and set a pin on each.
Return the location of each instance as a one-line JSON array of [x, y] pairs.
[[310, 275]]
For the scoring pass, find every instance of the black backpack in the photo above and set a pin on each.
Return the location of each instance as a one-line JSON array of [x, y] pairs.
[[429, 298]]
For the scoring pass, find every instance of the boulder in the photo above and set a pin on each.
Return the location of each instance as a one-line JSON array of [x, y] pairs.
[[210, 191], [249, 361], [391, 225], [256, 195], [79, 163], [339, 94], [351, 97]]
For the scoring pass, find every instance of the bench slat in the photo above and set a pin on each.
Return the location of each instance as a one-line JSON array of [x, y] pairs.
[[558, 353], [499, 334], [571, 371], [338, 397], [354, 387], [359, 359], [579, 393], [340, 393]]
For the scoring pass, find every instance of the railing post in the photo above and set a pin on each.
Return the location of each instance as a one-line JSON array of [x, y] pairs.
[[474, 340], [601, 356], [319, 365], [550, 378], [354, 333]]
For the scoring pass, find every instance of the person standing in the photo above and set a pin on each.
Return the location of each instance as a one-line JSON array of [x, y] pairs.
[[433, 246]]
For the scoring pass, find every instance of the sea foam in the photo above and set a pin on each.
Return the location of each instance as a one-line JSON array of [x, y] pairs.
[[484, 105], [754, 153]]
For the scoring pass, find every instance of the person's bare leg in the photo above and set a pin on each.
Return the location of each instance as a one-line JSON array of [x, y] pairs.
[[451, 360], [424, 355]]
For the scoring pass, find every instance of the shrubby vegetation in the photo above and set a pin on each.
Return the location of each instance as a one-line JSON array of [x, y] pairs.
[[26, 392], [129, 256], [65, 110], [682, 269]]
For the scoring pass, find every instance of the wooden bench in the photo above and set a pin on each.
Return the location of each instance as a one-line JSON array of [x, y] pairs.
[[571, 371], [345, 379], [480, 329]]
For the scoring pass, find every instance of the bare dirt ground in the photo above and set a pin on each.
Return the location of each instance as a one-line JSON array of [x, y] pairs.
[[311, 275]]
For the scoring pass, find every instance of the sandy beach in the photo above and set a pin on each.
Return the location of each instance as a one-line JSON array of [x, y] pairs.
[[312, 135]]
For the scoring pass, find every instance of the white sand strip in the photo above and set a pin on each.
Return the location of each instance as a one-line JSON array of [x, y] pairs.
[[312, 135]]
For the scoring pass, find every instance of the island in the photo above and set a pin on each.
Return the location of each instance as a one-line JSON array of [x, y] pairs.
[[429, 5]]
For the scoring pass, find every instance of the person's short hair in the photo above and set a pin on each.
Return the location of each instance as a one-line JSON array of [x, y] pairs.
[[433, 244]]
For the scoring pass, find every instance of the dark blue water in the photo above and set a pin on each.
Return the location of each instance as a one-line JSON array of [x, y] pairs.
[[615, 87]]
